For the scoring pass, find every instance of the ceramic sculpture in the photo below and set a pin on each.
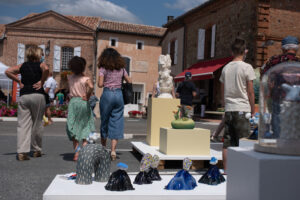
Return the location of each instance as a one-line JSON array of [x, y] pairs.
[[153, 172], [143, 176], [181, 120], [183, 180], [93, 158], [119, 180], [213, 175], [279, 107], [165, 79]]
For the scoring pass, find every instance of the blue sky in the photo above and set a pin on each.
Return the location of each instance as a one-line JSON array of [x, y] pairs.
[[149, 12]]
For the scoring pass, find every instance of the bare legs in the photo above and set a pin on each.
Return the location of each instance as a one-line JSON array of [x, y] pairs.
[[77, 148], [114, 143]]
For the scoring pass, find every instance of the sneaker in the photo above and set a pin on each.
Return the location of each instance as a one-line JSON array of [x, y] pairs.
[[37, 154], [22, 156]]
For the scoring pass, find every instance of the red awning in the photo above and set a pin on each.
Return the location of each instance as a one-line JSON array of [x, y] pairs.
[[203, 70]]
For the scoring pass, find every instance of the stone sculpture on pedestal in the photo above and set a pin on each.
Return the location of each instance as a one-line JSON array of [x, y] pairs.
[[93, 158], [165, 79]]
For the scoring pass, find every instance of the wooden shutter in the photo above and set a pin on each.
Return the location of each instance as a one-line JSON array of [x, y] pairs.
[[176, 52], [201, 44], [77, 51], [56, 58], [213, 41], [21, 53]]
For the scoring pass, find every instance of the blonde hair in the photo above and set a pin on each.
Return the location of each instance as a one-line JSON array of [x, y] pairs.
[[33, 53]]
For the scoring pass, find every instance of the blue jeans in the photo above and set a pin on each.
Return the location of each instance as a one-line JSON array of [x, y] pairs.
[[111, 110]]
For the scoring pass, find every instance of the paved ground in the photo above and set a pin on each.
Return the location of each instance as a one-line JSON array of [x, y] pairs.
[[29, 179]]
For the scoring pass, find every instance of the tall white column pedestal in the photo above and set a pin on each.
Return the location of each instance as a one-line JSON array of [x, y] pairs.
[[259, 176]]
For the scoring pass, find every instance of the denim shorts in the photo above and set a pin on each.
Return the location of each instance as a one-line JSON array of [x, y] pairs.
[[236, 126]]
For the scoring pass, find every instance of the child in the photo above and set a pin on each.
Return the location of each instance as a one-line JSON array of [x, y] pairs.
[[47, 98], [80, 121]]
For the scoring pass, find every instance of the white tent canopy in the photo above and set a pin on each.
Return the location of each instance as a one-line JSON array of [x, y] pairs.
[[5, 82]]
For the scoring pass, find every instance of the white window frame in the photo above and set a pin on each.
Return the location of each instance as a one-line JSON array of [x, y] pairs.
[[140, 41], [113, 38]]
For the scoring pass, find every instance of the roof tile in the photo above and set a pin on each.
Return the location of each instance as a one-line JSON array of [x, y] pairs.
[[106, 25]]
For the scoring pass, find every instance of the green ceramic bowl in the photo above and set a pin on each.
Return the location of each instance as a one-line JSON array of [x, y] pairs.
[[183, 124]]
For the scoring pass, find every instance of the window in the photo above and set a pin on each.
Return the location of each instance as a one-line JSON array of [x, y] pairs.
[[172, 52], [127, 67], [207, 51], [113, 42], [67, 54], [139, 45], [136, 97]]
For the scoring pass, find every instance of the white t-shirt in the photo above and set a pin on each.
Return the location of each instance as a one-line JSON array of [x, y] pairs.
[[50, 83], [234, 77]]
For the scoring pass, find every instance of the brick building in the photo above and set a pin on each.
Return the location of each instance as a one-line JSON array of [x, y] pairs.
[[63, 37], [209, 29]]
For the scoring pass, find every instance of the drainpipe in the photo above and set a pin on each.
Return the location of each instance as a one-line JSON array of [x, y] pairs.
[[95, 59]]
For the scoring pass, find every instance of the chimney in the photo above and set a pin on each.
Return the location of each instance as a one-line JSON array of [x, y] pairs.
[[170, 18]]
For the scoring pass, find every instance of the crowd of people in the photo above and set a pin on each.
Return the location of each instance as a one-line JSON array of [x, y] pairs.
[[38, 92]]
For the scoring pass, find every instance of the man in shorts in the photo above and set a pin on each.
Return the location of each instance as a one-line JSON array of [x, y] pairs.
[[237, 85], [186, 91]]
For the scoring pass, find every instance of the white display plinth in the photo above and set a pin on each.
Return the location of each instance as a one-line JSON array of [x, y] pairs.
[[144, 148], [260, 176], [62, 189]]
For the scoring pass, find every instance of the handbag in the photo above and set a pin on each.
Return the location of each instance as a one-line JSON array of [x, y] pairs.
[[127, 91]]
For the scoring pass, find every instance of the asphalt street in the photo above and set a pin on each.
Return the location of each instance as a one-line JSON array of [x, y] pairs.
[[28, 180]]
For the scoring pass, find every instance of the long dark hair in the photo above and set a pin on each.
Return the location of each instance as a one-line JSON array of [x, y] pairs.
[[110, 59]]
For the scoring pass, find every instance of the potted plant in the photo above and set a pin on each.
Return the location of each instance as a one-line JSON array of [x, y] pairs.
[[135, 114], [181, 120]]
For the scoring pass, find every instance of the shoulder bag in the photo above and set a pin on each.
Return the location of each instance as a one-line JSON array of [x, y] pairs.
[[127, 91]]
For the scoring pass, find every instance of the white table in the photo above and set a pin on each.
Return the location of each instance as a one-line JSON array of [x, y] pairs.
[[62, 189]]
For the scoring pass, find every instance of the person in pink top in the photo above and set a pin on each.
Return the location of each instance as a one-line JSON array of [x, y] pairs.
[[80, 121], [111, 71]]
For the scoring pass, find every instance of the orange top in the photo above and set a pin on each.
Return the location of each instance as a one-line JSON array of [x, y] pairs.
[[77, 85]]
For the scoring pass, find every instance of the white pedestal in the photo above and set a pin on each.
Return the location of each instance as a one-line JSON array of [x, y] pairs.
[[144, 148], [259, 176], [61, 189]]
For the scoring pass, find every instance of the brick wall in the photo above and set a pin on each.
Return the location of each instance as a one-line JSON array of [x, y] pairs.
[[86, 43], [232, 18], [144, 63], [284, 21]]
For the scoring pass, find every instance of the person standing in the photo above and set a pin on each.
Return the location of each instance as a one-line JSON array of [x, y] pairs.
[[60, 97], [237, 88], [111, 72], [289, 46], [31, 105], [80, 120], [186, 91], [50, 86]]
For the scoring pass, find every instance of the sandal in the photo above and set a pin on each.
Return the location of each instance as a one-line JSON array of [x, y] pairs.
[[76, 153], [22, 156], [113, 155]]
